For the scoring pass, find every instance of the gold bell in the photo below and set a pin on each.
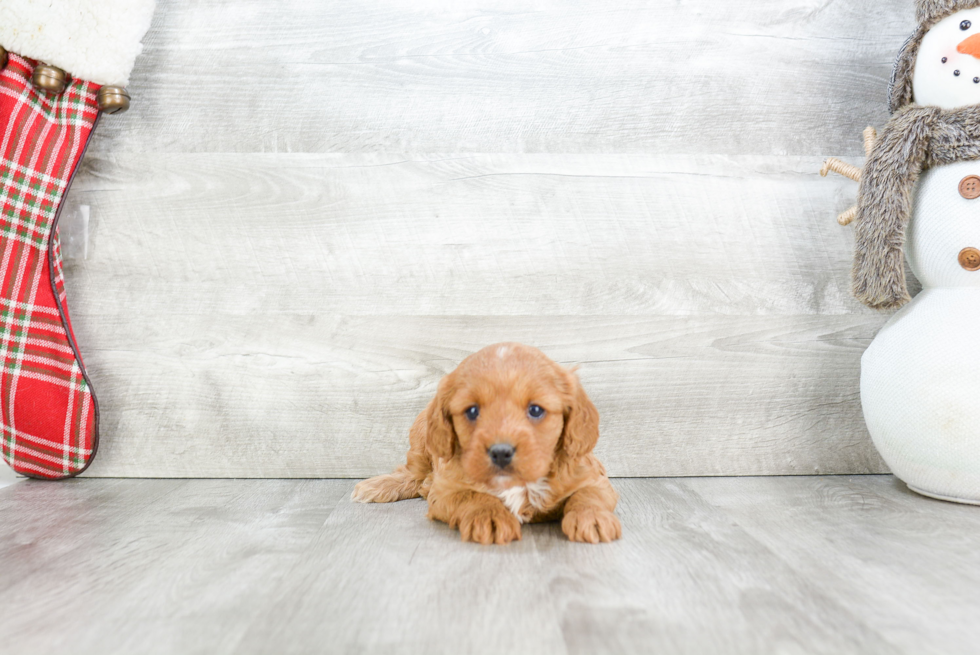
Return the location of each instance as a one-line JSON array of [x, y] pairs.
[[3, 57], [113, 99], [50, 79]]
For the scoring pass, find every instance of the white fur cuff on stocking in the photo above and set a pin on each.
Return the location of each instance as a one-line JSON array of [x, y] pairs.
[[95, 40]]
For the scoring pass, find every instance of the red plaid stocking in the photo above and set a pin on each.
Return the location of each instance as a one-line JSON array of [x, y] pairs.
[[48, 413]]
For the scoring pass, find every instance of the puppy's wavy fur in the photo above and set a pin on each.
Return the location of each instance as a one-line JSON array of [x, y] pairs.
[[553, 475]]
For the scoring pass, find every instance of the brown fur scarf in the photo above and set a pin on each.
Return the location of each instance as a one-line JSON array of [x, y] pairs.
[[916, 138]]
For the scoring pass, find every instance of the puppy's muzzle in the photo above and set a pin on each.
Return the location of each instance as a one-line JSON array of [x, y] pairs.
[[501, 454]]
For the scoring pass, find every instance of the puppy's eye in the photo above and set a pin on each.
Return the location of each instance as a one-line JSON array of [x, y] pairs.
[[535, 411], [965, 25], [472, 412]]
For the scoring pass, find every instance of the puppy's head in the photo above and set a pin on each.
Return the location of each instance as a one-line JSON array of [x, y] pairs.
[[508, 412]]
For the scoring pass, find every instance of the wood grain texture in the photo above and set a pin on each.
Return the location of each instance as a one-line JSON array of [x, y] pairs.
[[157, 553], [796, 77], [316, 209], [294, 312], [306, 396], [463, 235], [814, 527], [750, 565]]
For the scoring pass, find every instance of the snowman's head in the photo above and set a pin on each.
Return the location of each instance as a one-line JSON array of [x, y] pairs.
[[947, 68], [940, 63]]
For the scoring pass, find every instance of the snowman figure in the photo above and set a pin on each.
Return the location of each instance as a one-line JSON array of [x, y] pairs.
[[920, 199]]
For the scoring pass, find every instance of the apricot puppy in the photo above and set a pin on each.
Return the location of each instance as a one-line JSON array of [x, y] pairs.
[[507, 440]]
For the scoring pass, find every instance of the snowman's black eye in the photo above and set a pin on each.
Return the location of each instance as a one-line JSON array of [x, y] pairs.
[[965, 25], [944, 60]]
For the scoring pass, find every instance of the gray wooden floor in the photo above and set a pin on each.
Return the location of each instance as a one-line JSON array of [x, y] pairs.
[[710, 565]]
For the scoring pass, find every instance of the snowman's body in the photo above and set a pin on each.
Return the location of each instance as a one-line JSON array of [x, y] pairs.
[[920, 378]]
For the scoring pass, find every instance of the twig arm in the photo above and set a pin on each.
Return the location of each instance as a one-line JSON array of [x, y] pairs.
[[870, 134], [848, 216], [850, 171], [841, 168]]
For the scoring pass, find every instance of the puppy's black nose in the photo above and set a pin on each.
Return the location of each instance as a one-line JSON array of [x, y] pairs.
[[501, 454]]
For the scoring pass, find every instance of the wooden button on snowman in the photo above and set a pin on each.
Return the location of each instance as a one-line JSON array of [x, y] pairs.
[[920, 199]]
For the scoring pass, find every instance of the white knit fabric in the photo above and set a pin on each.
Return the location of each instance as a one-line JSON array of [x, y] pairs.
[[96, 40], [943, 224], [920, 378]]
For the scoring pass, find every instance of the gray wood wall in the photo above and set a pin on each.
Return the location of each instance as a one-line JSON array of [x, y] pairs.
[[315, 209]]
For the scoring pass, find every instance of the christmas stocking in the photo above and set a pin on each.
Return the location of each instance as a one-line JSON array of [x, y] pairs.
[[48, 412]]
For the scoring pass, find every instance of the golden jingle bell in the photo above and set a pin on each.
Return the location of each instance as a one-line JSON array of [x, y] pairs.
[[113, 99], [49, 79]]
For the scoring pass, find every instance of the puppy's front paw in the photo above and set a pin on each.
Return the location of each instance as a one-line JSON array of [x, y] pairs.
[[490, 526], [385, 489], [591, 526]]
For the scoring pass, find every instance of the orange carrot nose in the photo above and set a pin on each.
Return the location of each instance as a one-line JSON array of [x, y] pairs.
[[970, 46]]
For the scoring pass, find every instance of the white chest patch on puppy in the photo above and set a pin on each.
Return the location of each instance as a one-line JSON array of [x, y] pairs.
[[536, 493], [513, 500]]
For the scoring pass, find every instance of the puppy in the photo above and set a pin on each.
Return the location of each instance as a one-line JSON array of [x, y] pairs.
[[507, 440]]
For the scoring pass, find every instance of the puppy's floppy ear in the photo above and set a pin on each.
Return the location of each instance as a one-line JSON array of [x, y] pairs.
[[441, 437], [581, 430]]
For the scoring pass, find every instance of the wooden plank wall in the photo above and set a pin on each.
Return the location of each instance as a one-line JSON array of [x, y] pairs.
[[315, 209]]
